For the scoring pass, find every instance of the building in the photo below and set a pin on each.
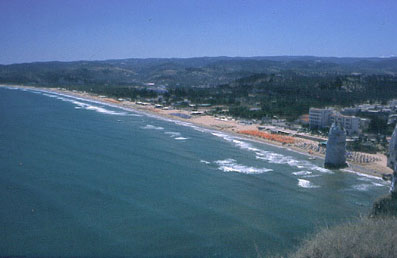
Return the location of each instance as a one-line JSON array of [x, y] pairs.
[[320, 118], [350, 123]]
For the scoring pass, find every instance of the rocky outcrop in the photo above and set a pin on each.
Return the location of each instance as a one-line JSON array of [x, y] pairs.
[[335, 156], [392, 160]]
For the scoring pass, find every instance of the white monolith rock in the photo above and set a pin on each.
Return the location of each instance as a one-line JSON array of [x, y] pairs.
[[392, 160], [335, 157]]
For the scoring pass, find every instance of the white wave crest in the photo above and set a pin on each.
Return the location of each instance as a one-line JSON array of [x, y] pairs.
[[277, 158], [363, 177], [181, 138], [271, 157], [230, 165], [77, 100], [204, 161], [152, 127], [82, 105], [306, 184], [362, 187], [173, 134], [302, 173]]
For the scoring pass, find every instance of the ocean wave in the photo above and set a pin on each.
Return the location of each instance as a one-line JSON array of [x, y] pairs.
[[310, 176], [205, 162], [271, 157], [366, 187], [230, 165], [82, 105], [181, 138], [306, 184], [152, 127], [302, 173], [378, 184], [363, 177], [173, 134], [103, 110], [72, 99], [362, 187], [11, 88], [277, 158]]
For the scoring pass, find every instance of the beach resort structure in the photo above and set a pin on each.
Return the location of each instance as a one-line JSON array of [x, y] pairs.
[[320, 118], [323, 118], [350, 123]]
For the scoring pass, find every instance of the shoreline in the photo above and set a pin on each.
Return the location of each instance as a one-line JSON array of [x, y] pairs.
[[232, 128]]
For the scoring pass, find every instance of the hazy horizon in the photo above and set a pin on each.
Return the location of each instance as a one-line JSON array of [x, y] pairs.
[[193, 57]]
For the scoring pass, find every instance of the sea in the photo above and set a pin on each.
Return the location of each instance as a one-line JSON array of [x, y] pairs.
[[85, 178]]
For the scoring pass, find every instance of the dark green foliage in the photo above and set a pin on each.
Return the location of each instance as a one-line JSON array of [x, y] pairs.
[[279, 86], [378, 125], [186, 72], [289, 94]]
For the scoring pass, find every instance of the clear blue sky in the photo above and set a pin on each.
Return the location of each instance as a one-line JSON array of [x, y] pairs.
[[42, 30]]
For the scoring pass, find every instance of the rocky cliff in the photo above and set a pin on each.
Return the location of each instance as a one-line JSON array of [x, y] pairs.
[[335, 156]]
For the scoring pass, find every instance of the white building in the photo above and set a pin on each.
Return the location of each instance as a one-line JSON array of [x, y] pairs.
[[350, 123], [320, 118], [323, 118]]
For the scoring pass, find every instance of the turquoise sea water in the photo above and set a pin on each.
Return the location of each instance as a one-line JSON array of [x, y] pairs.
[[79, 178]]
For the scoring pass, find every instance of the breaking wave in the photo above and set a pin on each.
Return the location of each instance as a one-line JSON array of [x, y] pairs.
[[366, 187], [302, 173], [272, 157], [181, 138], [306, 184], [82, 105], [173, 134], [230, 165], [152, 127]]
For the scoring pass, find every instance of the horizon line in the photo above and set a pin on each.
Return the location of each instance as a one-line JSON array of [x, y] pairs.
[[196, 57]]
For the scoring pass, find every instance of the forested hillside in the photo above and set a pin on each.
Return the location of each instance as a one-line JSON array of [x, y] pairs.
[[184, 72], [251, 87]]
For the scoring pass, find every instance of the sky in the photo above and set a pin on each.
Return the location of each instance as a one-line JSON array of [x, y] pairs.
[[68, 30]]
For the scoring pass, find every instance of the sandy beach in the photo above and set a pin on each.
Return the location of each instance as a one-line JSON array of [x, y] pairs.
[[369, 164]]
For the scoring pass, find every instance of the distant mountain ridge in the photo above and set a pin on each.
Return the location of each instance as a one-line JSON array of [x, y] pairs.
[[185, 72]]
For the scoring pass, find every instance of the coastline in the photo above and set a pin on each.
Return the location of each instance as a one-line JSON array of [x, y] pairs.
[[231, 127]]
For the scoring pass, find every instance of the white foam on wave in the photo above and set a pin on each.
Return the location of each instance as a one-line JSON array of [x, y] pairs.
[[152, 127], [205, 162], [271, 157], [230, 165], [10, 87], [311, 176], [361, 174], [77, 101], [302, 173], [82, 105], [366, 187], [362, 187], [181, 138], [104, 110], [173, 134], [306, 184]]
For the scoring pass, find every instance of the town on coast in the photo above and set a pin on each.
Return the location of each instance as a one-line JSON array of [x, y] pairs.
[[272, 132]]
